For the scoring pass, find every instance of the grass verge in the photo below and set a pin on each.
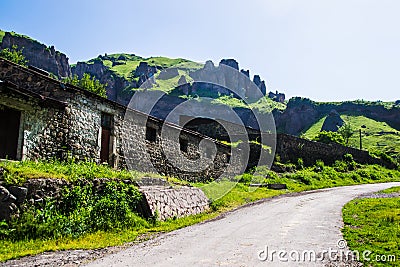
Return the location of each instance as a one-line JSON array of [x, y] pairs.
[[373, 224]]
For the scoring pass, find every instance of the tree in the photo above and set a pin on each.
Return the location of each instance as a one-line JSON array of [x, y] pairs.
[[329, 137], [346, 131], [14, 54], [88, 83]]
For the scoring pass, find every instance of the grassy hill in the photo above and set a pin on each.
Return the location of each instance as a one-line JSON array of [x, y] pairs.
[[124, 64], [376, 136]]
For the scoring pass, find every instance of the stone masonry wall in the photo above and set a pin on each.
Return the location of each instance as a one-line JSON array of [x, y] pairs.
[[290, 148], [43, 130], [75, 129], [174, 202]]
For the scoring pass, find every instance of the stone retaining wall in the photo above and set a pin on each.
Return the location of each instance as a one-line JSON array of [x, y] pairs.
[[163, 201], [168, 202]]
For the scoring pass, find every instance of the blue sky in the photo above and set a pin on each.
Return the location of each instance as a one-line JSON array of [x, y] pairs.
[[326, 50]]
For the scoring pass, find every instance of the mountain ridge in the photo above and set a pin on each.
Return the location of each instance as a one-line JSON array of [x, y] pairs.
[[124, 73]]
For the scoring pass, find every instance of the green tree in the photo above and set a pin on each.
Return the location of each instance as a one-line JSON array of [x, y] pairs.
[[88, 83], [346, 131], [329, 137], [14, 54]]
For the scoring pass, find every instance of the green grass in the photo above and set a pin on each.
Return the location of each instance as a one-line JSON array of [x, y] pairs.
[[225, 195], [132, 62], [372, 138], [101, 239], [169, 85], [395, 189], [374, 225], [267, 105], [2, 33], [17, 172]]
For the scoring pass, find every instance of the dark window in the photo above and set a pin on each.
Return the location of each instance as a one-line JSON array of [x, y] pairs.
[[183, 145], [106, 120], [151, 134]]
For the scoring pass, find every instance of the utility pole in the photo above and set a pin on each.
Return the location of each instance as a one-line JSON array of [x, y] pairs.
[[360, 141]]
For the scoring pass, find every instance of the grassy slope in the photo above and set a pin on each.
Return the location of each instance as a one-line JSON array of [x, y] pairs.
[[2, 33], [132, 61], [374, 225], [371, 138]]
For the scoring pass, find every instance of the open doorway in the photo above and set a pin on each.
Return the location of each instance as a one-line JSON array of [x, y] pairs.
[[106, 127], [9, 132]]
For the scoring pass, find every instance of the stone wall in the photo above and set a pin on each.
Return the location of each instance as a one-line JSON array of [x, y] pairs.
[[163, 201], [70, 124], [171, 202], [43, 129], [290, 148]]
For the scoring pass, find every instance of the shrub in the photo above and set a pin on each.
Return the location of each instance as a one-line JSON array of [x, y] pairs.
[[300, 164], [329, 138], [80, 210], [14, 54], [246, 178], [88, 83], [319, 165]]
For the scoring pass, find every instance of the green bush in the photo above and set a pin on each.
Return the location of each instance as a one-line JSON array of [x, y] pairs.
[[80, 210], [329, 138], [246, 178], [88, 83], [14, 54]]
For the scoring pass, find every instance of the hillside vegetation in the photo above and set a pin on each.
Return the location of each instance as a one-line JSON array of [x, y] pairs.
[[376, 136], [124, 64]]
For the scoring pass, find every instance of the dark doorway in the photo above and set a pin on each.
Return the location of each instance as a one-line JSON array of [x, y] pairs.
[[106, 125], [9, 132]]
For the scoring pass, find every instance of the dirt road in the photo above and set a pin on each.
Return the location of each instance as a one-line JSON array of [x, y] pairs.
[[292, 224]]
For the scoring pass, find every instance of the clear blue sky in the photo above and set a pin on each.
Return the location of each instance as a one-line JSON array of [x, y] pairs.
[[326, 50]]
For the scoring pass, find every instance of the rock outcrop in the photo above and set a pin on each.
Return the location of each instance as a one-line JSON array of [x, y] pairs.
[[219, 80], [115, 84], [39, 55], [332, 122]]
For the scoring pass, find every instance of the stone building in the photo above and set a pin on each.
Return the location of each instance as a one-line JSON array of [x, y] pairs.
[[43, 118]]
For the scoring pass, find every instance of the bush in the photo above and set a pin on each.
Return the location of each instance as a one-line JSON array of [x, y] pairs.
[[14, 54], [80, 210], [88, 83], [300, 164], [319, 165], [246, 178], [329, 138]]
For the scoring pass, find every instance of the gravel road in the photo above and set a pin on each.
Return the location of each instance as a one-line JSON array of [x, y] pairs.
[[295, 224]]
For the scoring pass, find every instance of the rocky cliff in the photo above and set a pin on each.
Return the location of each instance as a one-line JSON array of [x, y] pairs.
[[39, 55], [115, 84], [302, 113]]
